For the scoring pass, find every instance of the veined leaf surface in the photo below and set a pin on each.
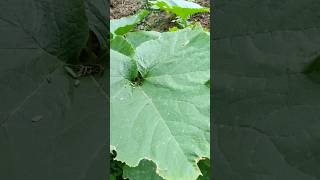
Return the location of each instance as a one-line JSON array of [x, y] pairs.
[[49, 129], [166, 118]]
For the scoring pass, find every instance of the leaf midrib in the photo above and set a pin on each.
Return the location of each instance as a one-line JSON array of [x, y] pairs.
[[163, 121]]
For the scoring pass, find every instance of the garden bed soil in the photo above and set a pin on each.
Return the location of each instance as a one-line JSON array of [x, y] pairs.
[[123, 8]]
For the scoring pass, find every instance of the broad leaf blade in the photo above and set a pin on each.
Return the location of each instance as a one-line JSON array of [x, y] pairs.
[[266, 107], [139, 37], [166, 119], [42, 22], [44, 131]]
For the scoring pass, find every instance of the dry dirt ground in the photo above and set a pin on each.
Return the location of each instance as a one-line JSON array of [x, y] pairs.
[[156, 21], [122, 8], [203, 18]]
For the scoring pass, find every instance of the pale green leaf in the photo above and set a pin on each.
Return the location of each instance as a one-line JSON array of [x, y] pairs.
[[136, 38], [166, 118]]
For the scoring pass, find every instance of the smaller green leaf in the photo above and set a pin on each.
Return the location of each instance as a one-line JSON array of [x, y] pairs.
[[116, 168], [204, 165], [145, 170], [181, 8], [173, 29], [125, 24], [122, 45], [208, 83], [112, 177]]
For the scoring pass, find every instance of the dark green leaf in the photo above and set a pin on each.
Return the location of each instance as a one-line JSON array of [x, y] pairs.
[[146, 170], [266, 109], [68, 141], [204, 165]]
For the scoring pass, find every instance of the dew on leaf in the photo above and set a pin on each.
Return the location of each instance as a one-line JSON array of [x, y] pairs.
[[76, 83], [186, 43], [70, 72]]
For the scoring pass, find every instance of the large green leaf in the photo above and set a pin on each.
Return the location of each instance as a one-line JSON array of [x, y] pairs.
[[266, 107], [139, 37], [45, 24], [166, 118], [49, 129]]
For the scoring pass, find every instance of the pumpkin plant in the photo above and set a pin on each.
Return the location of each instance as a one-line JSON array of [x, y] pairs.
[[160, 103]]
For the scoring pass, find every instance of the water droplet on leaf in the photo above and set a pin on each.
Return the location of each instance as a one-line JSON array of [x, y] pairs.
[[76, 83]]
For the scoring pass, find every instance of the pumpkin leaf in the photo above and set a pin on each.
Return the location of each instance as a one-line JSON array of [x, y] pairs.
[[166, 118], [49, 129]]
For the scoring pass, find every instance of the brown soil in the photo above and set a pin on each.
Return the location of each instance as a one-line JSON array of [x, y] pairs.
[[203, 18], [122, 8], [204, 3]]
